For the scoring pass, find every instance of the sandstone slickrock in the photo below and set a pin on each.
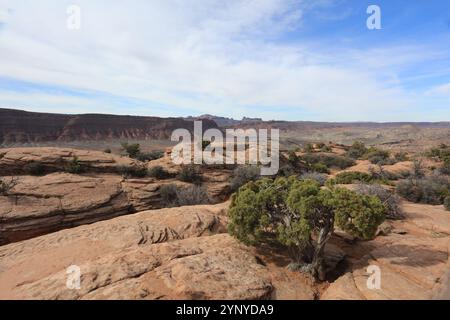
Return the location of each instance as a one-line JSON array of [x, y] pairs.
[[414, 263], [154, 255], [40, 205], [14, 161]]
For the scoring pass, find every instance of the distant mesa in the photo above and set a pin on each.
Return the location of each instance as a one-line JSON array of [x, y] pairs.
[[17, 126]]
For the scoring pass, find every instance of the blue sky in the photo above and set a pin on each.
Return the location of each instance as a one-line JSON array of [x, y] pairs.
[[292, 59]]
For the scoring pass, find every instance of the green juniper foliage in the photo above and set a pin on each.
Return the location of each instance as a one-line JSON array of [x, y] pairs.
[[300, 215]]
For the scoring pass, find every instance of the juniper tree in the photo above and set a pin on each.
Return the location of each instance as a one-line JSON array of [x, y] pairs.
[[300, 215]]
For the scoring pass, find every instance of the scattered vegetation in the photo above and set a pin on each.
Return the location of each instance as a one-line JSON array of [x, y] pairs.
[[430, 190], [315, 176], [442, 152], [380, 157], [349, 177], [243, 174], [107, 150], [309, 147], [134, 151], [174, 196], [7, 185], [401, 156], [447, 203], [445, 168], [73, 166], [357, 150], [190, 173], [300, 215], [159, 172], [132, 171], [149, 156], [390, 200], [327, 160], [34, 169]]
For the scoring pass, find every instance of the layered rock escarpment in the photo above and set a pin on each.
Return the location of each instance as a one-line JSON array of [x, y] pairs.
[[18, 126]]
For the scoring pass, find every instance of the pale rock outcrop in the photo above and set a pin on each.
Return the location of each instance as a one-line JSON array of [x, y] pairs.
[[414, 263], [14, 161], [160, 254]]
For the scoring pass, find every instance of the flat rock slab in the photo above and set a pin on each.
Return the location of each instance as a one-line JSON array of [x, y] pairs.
[[413, 264], [14, 161]]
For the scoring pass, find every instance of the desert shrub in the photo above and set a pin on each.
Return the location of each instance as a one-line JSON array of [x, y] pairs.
[[390, 200], [174, 196], [158, 172], [328, 160], [286, 171], [430, 190], [381, 157], [7, 185], [350, 177], [243, 174], [357, 150], [291, 213], [326, 148], [34, 169], [132, 171], [132, 150], [320, 145], [401, 156], [73, 166], [442, 152], [418, 170], [149, 156], [190, 173], [107, 150], [320, 167], [447, 203], [308, 148], [445, 169], [315, 176], [168, 193]]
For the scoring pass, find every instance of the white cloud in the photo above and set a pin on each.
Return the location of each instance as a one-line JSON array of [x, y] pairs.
[[210, 56]]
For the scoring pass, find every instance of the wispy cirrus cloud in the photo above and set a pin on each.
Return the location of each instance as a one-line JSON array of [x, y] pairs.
[[231, 58]]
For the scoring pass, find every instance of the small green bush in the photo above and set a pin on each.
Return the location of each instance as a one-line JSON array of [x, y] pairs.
[[328, 160], [381, 157], [190, 173], [159, 172], [133, 150], [174, 196], [149, 156], [315, 176], [243, 174], [34, 169], [73, 166], [350, 177], [320, 168], [430, 190], [401, 156], [357, 150], [308, 148], [445, 169], [132, 171], [390, 200], [447, 203], [442, 152]]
